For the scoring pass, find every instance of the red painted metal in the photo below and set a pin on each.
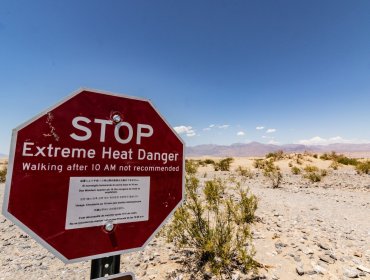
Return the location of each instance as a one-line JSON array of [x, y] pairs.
[[36, 200]]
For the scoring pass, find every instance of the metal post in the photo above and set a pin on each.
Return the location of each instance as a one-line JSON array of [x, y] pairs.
[[105, 266]]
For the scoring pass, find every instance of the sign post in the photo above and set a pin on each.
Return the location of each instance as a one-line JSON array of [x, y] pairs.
[[94, 176], [105, 266]]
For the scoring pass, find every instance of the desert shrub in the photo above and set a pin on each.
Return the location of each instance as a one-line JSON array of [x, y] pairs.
[[191, 167], [315, 156], [259, 163], [272, 172], [311, 168], [248, 206], [296, 170], [276, 155], [290, 164], [334, 165], [325, 156], [209, 161], [3, 175], [299, 159], [347, 161], [223, 164], [213, 191], [339, 158], [363, 167], [215, 227], [244, 172], [323, 172], [313, 176]]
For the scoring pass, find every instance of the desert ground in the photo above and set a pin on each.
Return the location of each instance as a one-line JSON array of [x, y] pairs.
[[304, 230]]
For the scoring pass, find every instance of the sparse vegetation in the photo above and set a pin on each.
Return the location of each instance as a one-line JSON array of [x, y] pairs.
[[216, 226], [209, 161], [223, 164], [3, 175], [334, 165], [244, 172], [191, 167], [272, 171], [311, 169], [314, 174], [342, 159], [347, 161], [259, 163], [296, 170], [363, 167], [276, 155]]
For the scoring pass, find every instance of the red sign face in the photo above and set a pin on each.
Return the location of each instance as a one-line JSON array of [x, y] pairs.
[[94, 176]]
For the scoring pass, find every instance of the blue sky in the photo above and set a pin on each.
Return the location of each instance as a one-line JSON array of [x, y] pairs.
[[216, 70]]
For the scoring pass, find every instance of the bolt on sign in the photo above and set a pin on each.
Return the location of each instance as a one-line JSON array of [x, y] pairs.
[[95, 175]]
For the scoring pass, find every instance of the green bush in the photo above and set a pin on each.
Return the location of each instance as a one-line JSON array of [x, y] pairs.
[[3, 175], [363, 167], [248, 205], [209, 161], [215, 227], [311, 168], [223, 164], [276, 155], [259, 163], [347, 161], [334, 165], [271, 171], [296, 170], [313, 177], [325, 156], [340, 158], [314, 174], [323, 172], [191, 167], [244, 172], [213, 191]]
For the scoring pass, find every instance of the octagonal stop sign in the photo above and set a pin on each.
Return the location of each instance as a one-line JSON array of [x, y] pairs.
[[95, 175]]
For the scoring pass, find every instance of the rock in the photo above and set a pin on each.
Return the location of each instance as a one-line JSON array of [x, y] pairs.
[[363, 268], [351, 273], [307, 251], [331, 255], [319, 269], [323, 246], [326, 259], [310, 272], [357, 254], [279, 245], [174, 257], [300, 269]]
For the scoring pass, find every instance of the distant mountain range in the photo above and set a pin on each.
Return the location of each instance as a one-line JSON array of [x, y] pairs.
[[260, 149], [3, 156]]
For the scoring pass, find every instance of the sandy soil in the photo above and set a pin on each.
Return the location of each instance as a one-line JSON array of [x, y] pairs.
[[320, 230]]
